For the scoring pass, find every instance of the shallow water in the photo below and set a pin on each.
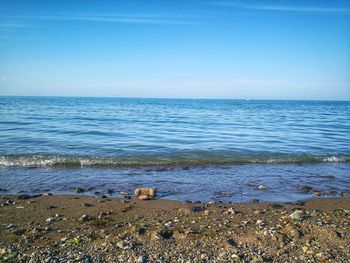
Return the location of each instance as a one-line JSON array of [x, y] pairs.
[[189, 149]]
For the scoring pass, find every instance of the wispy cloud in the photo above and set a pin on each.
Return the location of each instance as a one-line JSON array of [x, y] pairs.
[[155, 19], [283, 8]]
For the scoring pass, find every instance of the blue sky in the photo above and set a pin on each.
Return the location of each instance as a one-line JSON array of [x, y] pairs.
[[183, 49]]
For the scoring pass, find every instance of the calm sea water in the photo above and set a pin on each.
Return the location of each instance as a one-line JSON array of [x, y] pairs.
[[189, 149]]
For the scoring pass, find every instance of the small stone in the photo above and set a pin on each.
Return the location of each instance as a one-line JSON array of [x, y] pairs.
[[50, 220], [259, 222], [85, 218], [317, 192], [125, 245], [168, 224], [297, 215], [231, 242], [141, 259], [197, 209], [11, 226], [163, 234], [103, 214]]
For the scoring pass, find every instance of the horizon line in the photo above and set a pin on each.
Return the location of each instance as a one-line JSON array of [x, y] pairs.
[[174, 98]]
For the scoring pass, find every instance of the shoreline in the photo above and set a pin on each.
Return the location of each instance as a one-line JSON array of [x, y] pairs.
[[59, 228]]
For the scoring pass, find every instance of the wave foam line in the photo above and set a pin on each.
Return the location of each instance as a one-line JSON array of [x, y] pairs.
[[76, 162]]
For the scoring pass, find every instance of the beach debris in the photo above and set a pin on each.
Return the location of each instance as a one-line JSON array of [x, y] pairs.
[[79, 190]]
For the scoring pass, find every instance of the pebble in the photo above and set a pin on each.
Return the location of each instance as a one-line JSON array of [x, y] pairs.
[[50, 220], [141, 259], [85, 218], [297, 215]]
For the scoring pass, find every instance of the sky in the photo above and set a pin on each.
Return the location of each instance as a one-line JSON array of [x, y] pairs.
[[271, 49]]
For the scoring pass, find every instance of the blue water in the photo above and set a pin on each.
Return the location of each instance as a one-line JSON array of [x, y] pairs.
[[203, 146]]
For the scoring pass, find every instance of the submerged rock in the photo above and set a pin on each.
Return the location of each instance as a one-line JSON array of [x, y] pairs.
[[305, 189], [262, 187], [79, 190]]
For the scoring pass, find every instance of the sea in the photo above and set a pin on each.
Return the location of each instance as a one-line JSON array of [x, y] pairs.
[[189, 149]]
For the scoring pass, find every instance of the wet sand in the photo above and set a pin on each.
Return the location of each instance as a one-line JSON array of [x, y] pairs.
[[87, 229]]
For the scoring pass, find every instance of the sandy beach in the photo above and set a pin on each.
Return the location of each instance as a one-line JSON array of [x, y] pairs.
[[76, 228]]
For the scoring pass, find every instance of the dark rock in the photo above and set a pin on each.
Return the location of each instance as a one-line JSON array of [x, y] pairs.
[[79, 190], [24, 197], [164, 234], [85, 218], [197, 209], [305, 189], [277, 206], [231, 242]]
